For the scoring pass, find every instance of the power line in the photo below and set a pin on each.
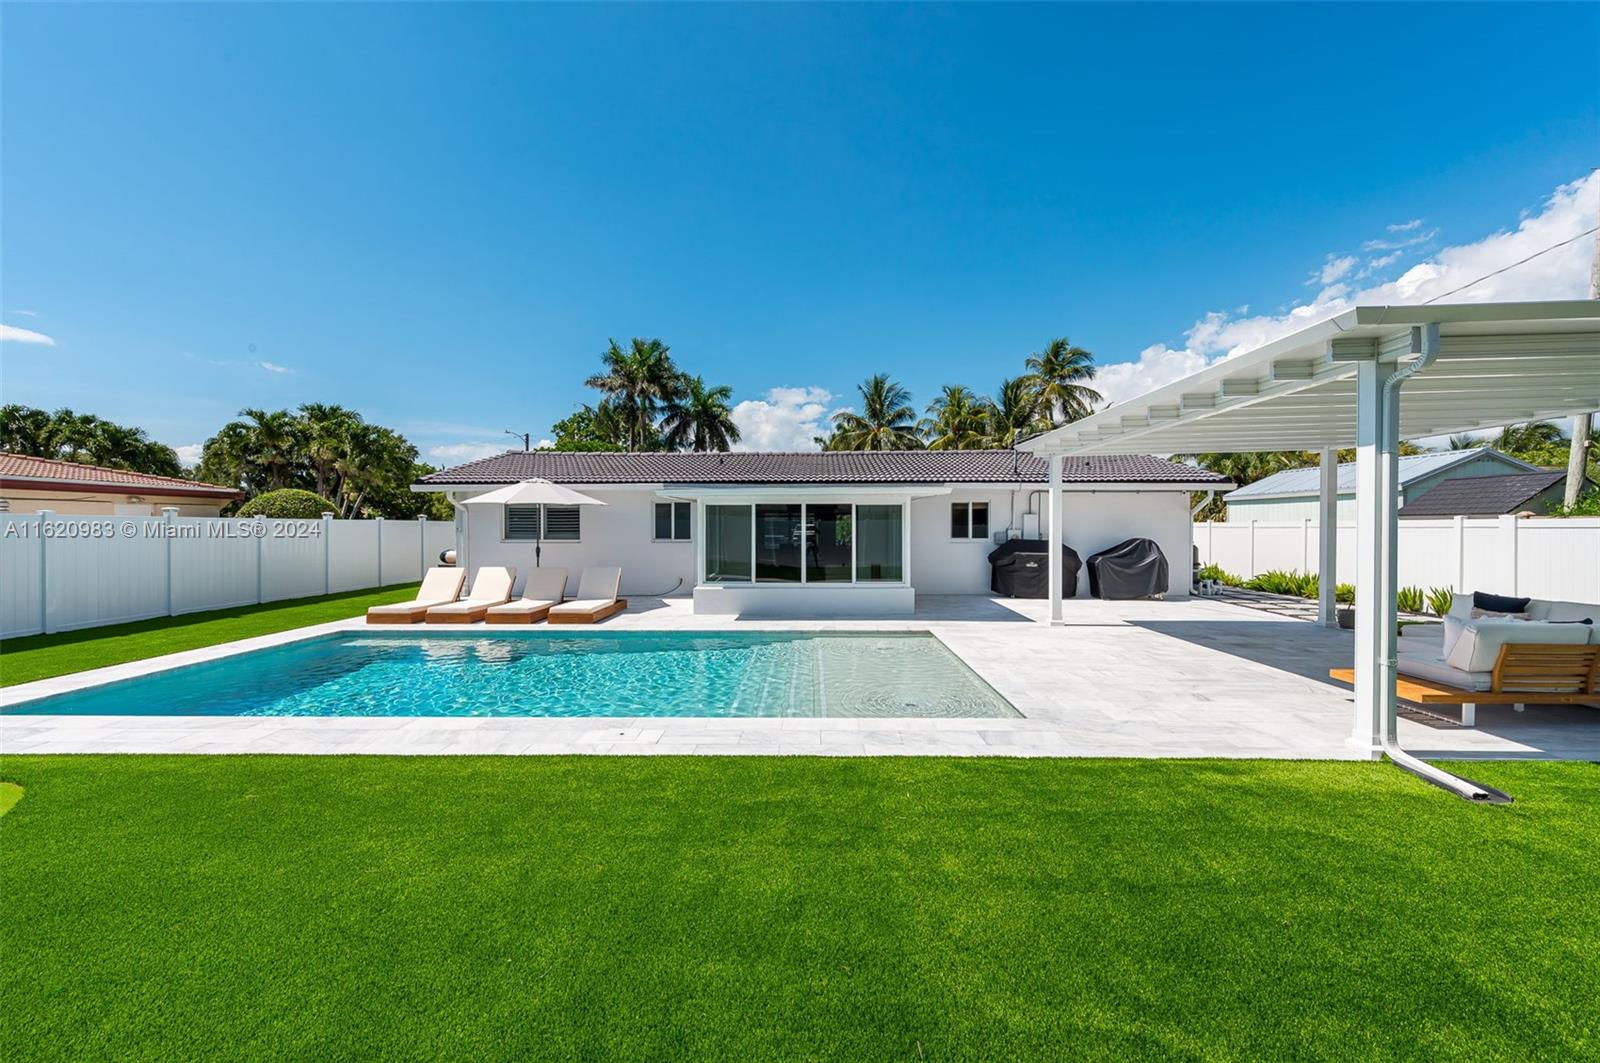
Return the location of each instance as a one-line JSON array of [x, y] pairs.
[[1513, 265]]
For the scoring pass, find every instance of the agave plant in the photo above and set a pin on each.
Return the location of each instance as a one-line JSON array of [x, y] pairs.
[[1409, 599], [1439, 599]]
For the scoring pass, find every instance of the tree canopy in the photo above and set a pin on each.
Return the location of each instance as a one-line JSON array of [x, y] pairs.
[[85, 439]]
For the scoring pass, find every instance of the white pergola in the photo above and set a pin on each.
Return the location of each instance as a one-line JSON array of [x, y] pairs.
[[1338, 383]]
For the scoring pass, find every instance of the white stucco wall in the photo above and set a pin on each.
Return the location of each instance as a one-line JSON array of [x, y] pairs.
[[620, 534]]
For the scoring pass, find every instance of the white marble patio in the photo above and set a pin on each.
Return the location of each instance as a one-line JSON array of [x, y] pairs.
[[1195, 678]]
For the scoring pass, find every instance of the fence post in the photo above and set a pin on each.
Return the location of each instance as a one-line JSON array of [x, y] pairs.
[[1460, 523], [1508, 550], [169, 530], [1305, 544], [44, 569], [327, 553], [422, 546], [1252, 571], [261, 547]]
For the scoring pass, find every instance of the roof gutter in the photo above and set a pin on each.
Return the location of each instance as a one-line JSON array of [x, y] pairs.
[[1425, 342]]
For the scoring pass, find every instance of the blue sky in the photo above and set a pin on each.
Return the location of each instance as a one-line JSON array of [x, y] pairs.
[[437, 215]]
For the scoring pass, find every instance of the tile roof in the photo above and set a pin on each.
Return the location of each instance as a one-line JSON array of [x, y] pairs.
[[49, 471], [1469, 495], [1307, 481], [823, 467]]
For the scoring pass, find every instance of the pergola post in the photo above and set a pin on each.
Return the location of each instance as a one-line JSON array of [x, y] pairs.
[[1328, 539], [1374, 606], [1055, 539]]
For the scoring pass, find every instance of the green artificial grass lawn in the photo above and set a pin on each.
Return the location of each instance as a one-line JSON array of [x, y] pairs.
[[793, 908], [23, 660]]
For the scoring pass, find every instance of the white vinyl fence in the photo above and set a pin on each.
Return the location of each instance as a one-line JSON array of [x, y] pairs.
[[1534, 557], [59, 572]]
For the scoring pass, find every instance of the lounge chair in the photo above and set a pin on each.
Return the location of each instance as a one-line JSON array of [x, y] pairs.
[[440, 586], [597, 598], [546, 587], [492, 587]]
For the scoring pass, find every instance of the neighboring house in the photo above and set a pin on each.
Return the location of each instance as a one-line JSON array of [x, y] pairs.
[[1292, 494], [820, 532], [1491, 496], [28, 485]]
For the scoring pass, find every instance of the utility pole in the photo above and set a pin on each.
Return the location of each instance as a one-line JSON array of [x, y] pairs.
[[524, 436], [1583, 423]]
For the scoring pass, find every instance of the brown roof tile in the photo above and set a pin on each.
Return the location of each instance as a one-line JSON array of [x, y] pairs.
[[830, 467], [49, 471]]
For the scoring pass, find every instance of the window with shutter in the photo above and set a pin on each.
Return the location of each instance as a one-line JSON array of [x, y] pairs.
[[522, 522], [561, 523]]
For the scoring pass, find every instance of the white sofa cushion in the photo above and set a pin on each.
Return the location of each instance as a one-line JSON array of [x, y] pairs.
[[1479, 645], [1421, 664], [1563, 612], [1453, 627]]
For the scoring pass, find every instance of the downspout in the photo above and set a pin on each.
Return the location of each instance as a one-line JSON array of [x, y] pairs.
[[1424, 341]]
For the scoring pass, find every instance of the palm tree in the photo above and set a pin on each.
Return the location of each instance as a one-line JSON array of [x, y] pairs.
[[326, 429], [272, 444], [25, 430], [1465, 441], [1060, 374], [887, 420], [1014, 414], [636, 382], [1534, 435], [957, 420], [700, 418]]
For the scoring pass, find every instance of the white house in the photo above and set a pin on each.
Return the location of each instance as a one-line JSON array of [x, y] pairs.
[[819, 533], [1293, 493]]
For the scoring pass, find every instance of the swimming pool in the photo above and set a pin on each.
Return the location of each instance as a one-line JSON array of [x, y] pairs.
[[625, 673]]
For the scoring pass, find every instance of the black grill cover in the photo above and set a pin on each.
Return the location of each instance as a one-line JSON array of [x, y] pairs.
[[1135, 568], [1019, 568]]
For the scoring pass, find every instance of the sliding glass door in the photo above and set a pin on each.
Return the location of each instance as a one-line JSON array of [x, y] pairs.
[[812, 542], [879, 544], [728, 544]]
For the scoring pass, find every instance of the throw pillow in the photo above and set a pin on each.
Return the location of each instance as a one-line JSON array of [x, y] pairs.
[[1490, 614], [1499, 603], [1453, 627]]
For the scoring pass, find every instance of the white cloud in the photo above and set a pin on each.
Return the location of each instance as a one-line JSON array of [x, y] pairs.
[[1383, 260], [25, 313], [459, 453], [1562, 273], [786, 419], [189, 454], [1405, 226], [13, 334], [1335, 268], [1395, 245], [544, 444], [273, 367]]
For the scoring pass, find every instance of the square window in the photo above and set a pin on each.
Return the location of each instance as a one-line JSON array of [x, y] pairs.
[[672, 522]]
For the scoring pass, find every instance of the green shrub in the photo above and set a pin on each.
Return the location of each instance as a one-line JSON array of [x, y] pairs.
[[1213, 572], [1409, 599], [287, 504], [1439, 599], [1294, 584], [1345, 592]]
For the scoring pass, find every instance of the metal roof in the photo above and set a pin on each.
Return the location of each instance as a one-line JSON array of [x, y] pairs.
[[1499, 363], [1482, 494], [822, 467], [1292, 483]]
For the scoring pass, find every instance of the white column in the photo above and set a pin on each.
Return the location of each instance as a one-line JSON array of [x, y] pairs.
[[1054, 567], [1366, 732], [169, 529], [327, 553], [45, 517], [1328, 539], [380, 551]]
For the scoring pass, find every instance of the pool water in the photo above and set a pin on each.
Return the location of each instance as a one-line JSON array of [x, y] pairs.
[[631, 673]]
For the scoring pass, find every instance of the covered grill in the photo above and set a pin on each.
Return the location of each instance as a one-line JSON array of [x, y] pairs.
[[1134, 568], [1020, 568]]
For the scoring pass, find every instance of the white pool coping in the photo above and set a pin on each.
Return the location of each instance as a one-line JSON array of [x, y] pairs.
[[1192, 678]]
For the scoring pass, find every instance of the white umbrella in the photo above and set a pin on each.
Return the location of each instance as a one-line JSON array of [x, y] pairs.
[[534, 492]]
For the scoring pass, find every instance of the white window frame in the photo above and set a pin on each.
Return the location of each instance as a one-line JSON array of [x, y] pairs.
[[855, 526], [969, 537], [672, 521]]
